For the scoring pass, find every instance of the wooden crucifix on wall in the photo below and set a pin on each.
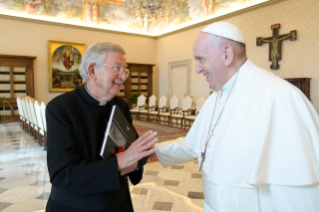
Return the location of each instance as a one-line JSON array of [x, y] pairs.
[[275, 43]]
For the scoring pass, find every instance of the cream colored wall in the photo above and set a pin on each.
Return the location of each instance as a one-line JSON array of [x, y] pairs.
[[31, 39], [299, 58]]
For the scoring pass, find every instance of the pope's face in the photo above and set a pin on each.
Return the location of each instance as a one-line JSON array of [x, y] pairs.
[[208, 60], [108, 81]]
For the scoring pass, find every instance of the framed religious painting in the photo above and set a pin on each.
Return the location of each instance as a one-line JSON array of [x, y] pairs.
[[64, 65]]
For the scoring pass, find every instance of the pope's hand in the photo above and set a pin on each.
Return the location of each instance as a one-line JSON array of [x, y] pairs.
[[142, 147]]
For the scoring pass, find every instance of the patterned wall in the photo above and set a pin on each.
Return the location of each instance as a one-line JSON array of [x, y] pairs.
[[299, 58], [31, 39]]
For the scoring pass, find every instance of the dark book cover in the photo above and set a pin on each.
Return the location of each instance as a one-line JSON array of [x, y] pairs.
[[119, 132]]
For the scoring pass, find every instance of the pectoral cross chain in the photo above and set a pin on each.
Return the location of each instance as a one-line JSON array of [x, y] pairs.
[[203, 158], [211, 126]]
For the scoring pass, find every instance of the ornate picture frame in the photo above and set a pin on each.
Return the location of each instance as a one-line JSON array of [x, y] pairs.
[[64, 65]]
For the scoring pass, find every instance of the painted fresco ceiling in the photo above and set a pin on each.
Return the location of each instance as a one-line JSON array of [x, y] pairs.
[[111, 14]]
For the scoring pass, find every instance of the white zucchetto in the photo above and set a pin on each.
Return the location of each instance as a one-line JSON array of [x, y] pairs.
[[225, 30]]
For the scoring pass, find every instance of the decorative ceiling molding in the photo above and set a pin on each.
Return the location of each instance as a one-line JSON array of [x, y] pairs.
[[223, 17], [178, 29]]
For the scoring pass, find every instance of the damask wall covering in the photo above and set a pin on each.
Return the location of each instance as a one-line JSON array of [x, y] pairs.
[[299, 58]]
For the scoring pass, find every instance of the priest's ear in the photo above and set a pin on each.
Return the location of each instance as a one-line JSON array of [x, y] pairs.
[[229, 54], [91, 71]]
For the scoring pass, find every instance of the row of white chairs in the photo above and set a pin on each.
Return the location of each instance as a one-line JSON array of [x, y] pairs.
[[32, 118], [184, 116]]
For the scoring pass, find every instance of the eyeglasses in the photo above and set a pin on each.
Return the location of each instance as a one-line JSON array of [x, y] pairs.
[[118, 69]]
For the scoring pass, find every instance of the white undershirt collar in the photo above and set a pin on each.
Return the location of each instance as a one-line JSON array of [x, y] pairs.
[[227, 86], [101, 102]]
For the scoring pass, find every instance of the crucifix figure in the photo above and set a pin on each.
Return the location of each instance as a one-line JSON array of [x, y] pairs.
[[275, 44]]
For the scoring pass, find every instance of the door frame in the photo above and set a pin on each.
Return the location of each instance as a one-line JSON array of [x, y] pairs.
[[181, 63]]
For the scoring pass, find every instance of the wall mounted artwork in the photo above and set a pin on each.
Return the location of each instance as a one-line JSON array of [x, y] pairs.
[[64, 65], [112, 14]]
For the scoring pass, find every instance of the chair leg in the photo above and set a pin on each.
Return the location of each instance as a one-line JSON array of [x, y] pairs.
[[34, 133], [39, 138], [45, 140]]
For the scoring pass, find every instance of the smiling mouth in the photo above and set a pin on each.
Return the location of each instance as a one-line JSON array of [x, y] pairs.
[[118, 84]]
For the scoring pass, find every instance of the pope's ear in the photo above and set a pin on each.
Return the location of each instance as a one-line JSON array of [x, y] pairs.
[[229, 55], [91, 71]]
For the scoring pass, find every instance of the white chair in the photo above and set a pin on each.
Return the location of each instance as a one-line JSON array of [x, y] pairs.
[[186, 110], [20, 113], [173, 106], [33, 118], [41, 131], [151, 107], [26, 113], [140, 105], [191, 118], [197, 97], [161, 107], [43, 107]]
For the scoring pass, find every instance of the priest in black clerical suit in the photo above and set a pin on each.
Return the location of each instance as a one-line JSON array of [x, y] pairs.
[[76, 123]]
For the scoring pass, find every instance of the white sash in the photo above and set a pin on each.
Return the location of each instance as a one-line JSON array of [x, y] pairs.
[[220, 198]]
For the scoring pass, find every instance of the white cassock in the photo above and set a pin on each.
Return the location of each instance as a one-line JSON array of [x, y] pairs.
[[264, 153]]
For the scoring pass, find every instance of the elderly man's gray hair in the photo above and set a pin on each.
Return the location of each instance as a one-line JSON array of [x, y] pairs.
[[219, 42], [97, 53]]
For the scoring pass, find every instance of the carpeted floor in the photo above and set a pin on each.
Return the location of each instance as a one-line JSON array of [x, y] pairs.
[[165, 132]]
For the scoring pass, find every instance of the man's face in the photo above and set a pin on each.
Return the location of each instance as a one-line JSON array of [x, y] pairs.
[[108, 81], [208, 60]]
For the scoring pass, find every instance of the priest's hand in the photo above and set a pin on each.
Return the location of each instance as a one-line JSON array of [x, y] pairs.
[[153, 155], [142, 147], [129, 169]]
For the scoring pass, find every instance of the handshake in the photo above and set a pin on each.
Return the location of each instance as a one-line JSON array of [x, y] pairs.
[[144, 146]]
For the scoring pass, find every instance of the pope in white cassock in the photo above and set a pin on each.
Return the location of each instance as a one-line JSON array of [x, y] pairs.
[[256, 137]]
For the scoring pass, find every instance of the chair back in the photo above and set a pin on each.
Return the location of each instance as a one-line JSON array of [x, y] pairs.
[[32, 111], [197, 97], [37, 109], [187, 103], [20, 108], [199, 103], [152, 101], [23, 109], [43, 116], [173, 103], [162, 101], [27, 110], [141, 100]]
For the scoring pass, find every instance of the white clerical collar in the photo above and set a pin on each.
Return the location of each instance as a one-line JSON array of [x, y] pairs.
[[101, 102], [227, 86]]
